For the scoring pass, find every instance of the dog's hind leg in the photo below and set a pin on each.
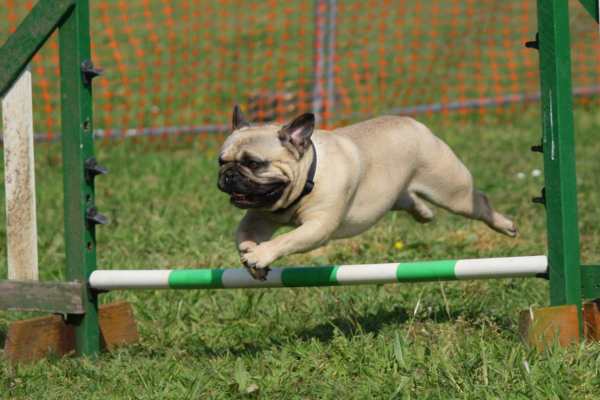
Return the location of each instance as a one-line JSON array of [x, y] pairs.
[[414, 206], [453, 189]]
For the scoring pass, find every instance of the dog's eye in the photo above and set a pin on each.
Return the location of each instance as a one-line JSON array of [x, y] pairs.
[[253, 165]]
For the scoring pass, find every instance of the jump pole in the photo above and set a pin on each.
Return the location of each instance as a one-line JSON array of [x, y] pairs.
[[365, 274]]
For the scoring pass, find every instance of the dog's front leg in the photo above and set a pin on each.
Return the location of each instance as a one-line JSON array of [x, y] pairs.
[[251, 232], [313, 233]]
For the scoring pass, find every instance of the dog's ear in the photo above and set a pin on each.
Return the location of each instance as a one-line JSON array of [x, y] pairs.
[[298, 132], [238, 121]]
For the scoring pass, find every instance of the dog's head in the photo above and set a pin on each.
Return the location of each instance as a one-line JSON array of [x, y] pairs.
[[260, 165]]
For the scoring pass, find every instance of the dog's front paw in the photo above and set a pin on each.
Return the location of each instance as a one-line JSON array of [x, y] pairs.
[[507, 227], [246, 247], [260, 274], [257, 261]]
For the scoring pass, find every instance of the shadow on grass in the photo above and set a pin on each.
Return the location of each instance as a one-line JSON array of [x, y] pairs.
[[347, 325], [373, 323], [350, 325]]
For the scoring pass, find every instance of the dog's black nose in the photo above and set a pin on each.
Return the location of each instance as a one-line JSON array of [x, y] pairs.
[[228, 176]]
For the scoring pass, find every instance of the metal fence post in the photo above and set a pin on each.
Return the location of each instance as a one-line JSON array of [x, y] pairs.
[[331, 55], [559, 153], [77, 137], [319, 60]]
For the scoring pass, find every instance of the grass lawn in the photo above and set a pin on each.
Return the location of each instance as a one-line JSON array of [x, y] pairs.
[[340, 342]]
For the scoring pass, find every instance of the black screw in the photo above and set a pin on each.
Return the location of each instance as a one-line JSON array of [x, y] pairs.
[[93, 218], [541, 199], [534, 44], [92, 168], [538, 148], [88, 72]]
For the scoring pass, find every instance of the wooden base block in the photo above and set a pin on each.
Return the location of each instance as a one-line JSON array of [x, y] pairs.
[[539, 326], [542, 325], [36, 338], [591, 320], [117, 325]]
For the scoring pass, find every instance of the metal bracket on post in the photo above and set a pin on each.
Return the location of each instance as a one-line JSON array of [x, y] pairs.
[[93, 292], [88, 72], [93, 218], [541, 199], [535, 44], [92, 168]]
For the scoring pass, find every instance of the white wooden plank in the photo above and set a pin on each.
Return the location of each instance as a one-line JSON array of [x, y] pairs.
[[19, 177]]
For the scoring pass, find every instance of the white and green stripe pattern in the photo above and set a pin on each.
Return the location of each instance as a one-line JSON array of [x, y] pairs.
[[365, 274]]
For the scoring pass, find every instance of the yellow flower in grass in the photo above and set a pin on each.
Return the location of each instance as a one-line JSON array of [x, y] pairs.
[[399, 245], [210, 153]]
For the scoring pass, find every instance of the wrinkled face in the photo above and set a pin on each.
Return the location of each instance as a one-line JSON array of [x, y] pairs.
[[259, 165], [254, 169]]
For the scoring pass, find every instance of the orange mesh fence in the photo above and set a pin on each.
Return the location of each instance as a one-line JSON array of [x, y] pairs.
[[178, 66]]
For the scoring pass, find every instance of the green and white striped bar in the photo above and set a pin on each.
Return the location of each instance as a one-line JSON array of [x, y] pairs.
[[364, 274]]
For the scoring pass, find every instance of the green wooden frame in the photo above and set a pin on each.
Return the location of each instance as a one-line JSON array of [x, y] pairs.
[[559, 153], [29, 37], [78, 146], [591, 6], [55, 297], [590, 281], [71, 17]]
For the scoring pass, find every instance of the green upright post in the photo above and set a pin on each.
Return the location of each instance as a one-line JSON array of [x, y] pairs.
[[592, 7], [77, 138], [559, 153]]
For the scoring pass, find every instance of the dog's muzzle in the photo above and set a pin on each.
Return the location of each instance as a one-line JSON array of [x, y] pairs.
[[245, 192], [228, 177], [231, 181]]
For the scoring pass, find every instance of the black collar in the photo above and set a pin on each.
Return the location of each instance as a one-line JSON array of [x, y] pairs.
[[309, 185]]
